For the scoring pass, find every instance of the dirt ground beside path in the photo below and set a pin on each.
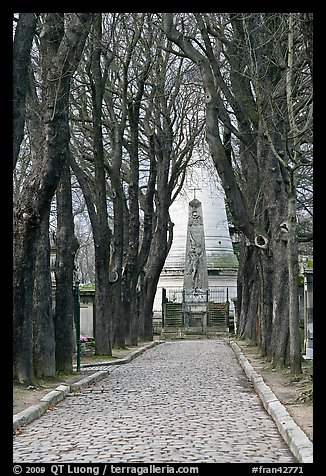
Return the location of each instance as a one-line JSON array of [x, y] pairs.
[[294, 394]]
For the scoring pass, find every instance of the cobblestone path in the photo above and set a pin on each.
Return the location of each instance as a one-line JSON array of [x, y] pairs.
[[181, 401]]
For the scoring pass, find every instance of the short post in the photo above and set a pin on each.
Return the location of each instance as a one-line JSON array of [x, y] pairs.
[[163, 306], [308, 313], [77, 322], [183, 307], [235, 318], [227, 308]]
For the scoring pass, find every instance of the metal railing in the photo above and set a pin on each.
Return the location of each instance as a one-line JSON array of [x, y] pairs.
[[216, 294]]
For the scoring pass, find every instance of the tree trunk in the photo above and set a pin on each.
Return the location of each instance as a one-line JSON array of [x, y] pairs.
[[275, 198], [23, 40], [161, 237], [43, 327], [102, 299], [248, 293], [102, 238], [150, 285], [23, 269], [292, 256], [134, 318], [141, 306], [60, 56], [102, 232], [66, 247], [265, 273], [157, 256], [118, 316], [120, 212], [148, 209], [280, 306]]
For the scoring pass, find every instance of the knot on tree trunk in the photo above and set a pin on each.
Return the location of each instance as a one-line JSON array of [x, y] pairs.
[[284, 228], [261, 241], [208, 97]]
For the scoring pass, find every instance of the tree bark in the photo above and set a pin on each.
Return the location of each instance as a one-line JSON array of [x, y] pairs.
[[102, 299], [160, 240], [101, 230], [23, 269], [275, 198], [131, 269], [102, 238], [248, 293], [119, 212], [23, 40], [66, 248], [43, 326], [292, 256], [148, 209]]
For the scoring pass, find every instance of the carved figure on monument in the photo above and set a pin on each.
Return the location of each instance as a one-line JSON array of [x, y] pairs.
[[194, 258], [195, 218], [195, 273]]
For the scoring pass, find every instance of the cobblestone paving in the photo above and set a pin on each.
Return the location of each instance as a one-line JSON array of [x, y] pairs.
[[181, 401]]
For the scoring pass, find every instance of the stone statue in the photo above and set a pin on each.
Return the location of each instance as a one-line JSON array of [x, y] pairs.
[[195, 276], [194, 258]]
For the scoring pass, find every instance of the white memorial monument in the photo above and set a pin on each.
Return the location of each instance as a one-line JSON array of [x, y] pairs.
[[201, 204]]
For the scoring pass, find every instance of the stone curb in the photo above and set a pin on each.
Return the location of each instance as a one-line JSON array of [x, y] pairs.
[[294, 436], [74, 387], [33, 412], [125, 360]]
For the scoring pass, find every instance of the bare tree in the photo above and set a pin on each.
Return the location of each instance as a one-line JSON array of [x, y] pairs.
[[146, 107], [257, 88], [62, 40]]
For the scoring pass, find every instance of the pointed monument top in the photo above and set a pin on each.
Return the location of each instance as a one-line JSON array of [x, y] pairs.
[[195, 203]]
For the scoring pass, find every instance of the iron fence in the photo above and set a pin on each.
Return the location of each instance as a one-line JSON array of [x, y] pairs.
[[216, 294]]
